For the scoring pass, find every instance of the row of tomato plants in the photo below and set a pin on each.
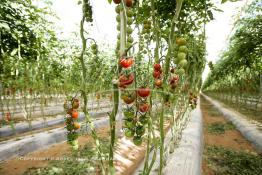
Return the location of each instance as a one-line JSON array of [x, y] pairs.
[[238, 72], [176, 76]]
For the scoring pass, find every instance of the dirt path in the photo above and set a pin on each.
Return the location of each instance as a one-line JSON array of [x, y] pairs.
[[219, 133]]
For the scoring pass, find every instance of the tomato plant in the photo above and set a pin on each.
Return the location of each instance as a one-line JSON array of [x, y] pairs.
[[71, 122]]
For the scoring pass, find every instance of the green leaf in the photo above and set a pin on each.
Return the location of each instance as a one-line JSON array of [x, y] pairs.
[[223, 1], [218, 10], [13, 52], [210, 14], [110, 1], [5, 26]]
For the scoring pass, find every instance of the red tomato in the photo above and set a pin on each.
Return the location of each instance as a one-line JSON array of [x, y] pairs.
[[122, 86], [157, 67], [117, 1], [158, 82], [74, 114], [171, 81], [174, 79], [143, 92], [126, 79], [129, 3], [144, 107], [126, 62], [156, 74], [123, 78]]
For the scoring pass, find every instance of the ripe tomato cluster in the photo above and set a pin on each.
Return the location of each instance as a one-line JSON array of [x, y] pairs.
[[72, 125], [192, 100], [126, 62], [136, 102], [135, 117], [126, 77], [157, 74], [174, 79]]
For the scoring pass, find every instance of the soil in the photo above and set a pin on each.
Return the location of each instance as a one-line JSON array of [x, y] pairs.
[[230, 139], [127, 155], [17, 166]]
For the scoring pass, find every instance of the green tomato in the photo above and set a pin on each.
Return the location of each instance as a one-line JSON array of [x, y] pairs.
[[182, 49], [129, 132], [176, 60], [183, 63], [69, 127], [129, 13], [75, 147], [129, 113], [137, 140], [74, 142], [129, 30], [180, 71], [130, 124], [181, 41], [140, 130], [118, 9], [130, 39], [181, 56], [146, 36], [94, 47], [129, 20], [128, 44], [143, 119], [146, 26]]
